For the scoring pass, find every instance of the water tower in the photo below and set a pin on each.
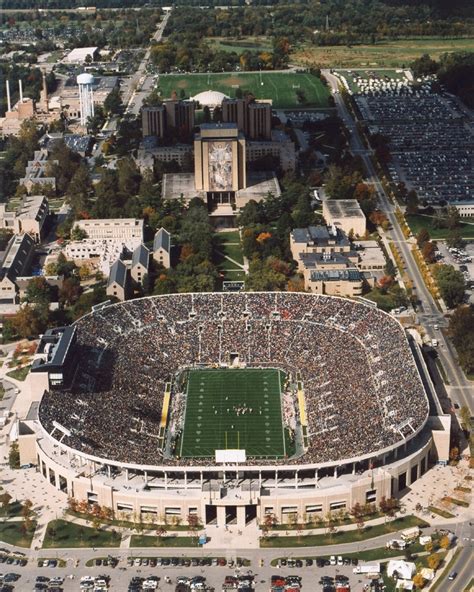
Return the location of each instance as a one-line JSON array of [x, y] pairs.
[[86, 97]]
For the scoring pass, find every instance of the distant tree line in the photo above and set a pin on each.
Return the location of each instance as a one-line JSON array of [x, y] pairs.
[[455, 72]]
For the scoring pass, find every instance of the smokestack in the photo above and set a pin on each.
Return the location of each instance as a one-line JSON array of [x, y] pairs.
[[9, 103], [44, 93], [21, 90]]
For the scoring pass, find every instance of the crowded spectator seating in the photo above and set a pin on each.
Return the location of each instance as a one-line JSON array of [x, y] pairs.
[[362, 388]]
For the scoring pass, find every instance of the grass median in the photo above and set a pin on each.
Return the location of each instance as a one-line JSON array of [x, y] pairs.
[[343, 536], [165, 541], [379, 554]]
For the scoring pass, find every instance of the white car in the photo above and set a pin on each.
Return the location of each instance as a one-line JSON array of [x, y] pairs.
[[339, 560], [332, 560]]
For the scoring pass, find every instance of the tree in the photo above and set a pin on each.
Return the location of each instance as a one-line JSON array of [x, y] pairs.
[[78, 234], [390, 268], [38, 291], [461, 331], [429, 252], [465, 415], [70, 291], [451, 284], [79, 190], [453, 217], [128, 177], [412, 202], [419, 581], [423, 66], [422, 237], [454, 239], [5, 499], [444, 542], [30, 321], [434, 560], [113, 103], [250, 214]]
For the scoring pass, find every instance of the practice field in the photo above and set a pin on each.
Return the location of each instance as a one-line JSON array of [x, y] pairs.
[[286, 89], [213, 420]]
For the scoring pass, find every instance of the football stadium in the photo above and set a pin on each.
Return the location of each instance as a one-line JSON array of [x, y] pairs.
[[232, 406]]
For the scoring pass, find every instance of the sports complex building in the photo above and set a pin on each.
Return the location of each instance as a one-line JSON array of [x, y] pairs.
[[232, 406]]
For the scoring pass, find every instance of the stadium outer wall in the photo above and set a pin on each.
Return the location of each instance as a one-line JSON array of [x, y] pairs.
[[236, 495]]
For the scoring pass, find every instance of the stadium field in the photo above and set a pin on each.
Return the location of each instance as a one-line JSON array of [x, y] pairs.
[[281, 87], [212, 420]]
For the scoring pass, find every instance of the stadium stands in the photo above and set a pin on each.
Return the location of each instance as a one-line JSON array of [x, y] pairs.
[[362, 390]]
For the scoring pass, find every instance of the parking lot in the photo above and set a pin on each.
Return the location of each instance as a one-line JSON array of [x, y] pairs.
[[431, 142], [183, 574], [462, 260]]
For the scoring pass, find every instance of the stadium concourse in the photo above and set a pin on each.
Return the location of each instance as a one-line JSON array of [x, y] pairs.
[[357, 422]]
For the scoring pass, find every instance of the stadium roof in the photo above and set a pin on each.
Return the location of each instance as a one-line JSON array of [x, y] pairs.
[[162, 240]]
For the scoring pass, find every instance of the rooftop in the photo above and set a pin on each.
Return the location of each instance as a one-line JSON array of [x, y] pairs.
[[334, 275], [339, 208], [118, 273], [320, 235], [162, 240]]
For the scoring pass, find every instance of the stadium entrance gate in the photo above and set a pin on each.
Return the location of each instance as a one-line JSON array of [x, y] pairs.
[[237, 515]]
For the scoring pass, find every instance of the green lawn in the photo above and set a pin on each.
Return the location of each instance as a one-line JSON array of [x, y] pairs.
[[341, 537], [212, 421], [233, 251], [12, 533], [228, 245], [418, 221], [166, 541], [19, 373], [281, 87], [383, 54], [231, 236], [69, 535]]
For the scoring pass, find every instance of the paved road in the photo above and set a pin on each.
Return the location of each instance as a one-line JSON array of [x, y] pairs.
[[135, 97], [460, 388], [463, 567]]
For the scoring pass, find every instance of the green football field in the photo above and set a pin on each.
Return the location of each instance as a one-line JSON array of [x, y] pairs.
[[281, 87], [213, 421]]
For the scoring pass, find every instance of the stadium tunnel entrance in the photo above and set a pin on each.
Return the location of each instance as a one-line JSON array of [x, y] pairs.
[[231, 515]]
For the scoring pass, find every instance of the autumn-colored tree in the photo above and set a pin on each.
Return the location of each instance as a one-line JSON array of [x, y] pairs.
[[444, 542], [30, 321], [429, 253], [5, 499], [72, 504], [263, 236], [422, 237], [419, 581], [295, 285], [385, 282], [434, 561], [186, 251]]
